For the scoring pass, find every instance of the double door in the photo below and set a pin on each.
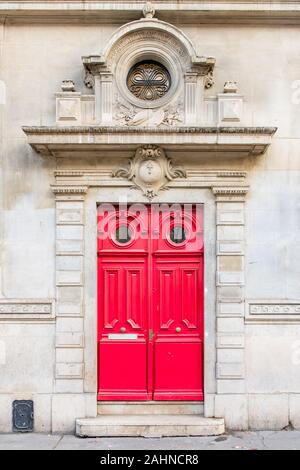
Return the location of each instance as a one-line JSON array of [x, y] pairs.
[[150, 303]]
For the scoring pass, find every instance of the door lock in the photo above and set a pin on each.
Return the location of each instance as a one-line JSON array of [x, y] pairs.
[[151, 334]]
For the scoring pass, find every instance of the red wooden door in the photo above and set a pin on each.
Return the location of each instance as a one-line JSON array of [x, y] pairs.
[[150, 303]]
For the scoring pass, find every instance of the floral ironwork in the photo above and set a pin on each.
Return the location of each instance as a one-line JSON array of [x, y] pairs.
[[149, 80]]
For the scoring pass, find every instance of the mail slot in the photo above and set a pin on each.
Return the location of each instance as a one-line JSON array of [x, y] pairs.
[[122, 336]]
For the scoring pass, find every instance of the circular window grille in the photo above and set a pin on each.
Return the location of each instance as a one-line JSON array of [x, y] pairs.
[[123, 234], [148, 80], [177, 234]]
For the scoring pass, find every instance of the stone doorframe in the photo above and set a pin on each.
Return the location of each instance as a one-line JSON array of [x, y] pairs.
[[223, 195]]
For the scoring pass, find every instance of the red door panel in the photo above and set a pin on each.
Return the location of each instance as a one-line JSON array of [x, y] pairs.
[[178, 369], [121, 370], [150, 304]]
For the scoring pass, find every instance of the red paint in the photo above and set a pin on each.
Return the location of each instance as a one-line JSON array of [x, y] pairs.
[[151, 287]]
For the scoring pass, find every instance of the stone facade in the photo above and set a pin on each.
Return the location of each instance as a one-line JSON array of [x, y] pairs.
[[228, 136]]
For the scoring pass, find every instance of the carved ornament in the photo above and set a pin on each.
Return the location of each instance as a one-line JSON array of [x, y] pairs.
[[150, 170]]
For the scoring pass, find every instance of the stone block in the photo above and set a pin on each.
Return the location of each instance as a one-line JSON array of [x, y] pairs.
[[231, 386], [69, 232], [268, 412], [66, 408], [230, 233], [69, 216], [69, 325], [231, 309], [234, 409], [69, 246], [42, 412], [69, 355], [230, 277], [68, 109], [230, 325], [6, 413], [230, 355], [230, 340], [224, 247], [230, 370], [230, 293], [69, 277], [69, 340], [294, 410], [69, 386], [68, 370], [69, 263]]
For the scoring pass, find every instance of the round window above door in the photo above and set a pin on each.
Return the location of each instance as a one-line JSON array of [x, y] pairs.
[[149, 80]]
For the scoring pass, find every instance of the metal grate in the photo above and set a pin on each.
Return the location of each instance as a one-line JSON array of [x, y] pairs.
[[149, 80], [22, 415]]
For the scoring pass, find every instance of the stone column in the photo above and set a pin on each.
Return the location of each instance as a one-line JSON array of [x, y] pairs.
[[230, 401], [69, 401]]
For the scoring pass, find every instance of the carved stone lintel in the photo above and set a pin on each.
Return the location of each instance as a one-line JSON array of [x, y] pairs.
[[150, 170]]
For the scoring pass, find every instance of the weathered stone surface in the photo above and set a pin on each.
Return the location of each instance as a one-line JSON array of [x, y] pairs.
[[262, 414], [251, 203], [147, 426]]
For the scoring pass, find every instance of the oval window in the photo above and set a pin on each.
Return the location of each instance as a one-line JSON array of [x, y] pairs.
[[123, 234], [177, 234]]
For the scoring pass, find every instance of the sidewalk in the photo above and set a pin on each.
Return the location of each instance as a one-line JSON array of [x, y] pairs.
[[261, 440]]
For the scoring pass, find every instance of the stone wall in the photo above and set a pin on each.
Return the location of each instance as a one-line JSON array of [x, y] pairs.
[[264, 60]]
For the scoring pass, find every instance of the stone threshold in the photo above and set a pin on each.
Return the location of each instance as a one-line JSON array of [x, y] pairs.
[[150, 407], [149, 426]]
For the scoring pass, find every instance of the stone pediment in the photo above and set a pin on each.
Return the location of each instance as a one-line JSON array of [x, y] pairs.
[[149, 86]]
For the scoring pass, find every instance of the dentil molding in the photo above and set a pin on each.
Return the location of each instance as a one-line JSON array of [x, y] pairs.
[[26, 309]]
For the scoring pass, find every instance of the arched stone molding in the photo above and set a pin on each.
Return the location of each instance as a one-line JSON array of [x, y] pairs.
[[148, 39]]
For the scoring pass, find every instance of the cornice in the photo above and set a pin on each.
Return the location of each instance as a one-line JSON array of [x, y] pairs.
[[185, 11], [68, 189], [29, 130], [71, 141]]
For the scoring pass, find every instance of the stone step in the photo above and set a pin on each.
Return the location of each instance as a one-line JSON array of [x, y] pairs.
[[149, 426], [150, 408]]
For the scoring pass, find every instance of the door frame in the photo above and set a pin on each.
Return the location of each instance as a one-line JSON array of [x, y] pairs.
[[223, 195], [197, 196]]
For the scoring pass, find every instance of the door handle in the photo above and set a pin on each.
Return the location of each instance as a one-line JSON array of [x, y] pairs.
[[178, 329], [123, 329], [151, 334]]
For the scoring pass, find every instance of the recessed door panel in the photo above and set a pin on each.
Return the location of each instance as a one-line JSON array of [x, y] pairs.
[[178, 369]]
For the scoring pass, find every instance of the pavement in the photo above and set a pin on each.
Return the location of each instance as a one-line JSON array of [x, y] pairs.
[[260, 440]]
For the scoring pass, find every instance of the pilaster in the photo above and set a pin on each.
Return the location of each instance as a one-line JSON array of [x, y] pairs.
[[69, 370], [230, 281]]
